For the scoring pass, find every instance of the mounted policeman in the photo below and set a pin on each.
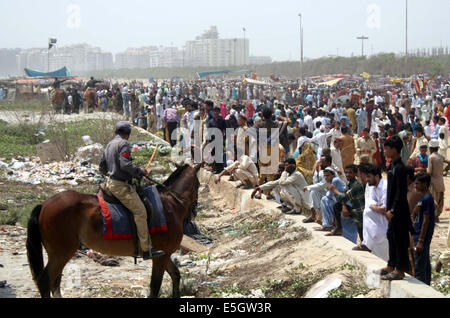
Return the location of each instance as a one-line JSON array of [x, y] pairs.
[[117, 165], [90, 96]]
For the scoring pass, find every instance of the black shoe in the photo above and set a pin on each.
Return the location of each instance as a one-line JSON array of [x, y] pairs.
[[152, 254]]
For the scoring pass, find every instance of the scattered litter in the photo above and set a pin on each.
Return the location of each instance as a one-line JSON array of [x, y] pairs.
[[87, 140], [163, 150], [103, 259], [87, 153], [3, 284], [60, 173], [17, 165], [188, 263], [213, 283], [175, 260], [322, 288]]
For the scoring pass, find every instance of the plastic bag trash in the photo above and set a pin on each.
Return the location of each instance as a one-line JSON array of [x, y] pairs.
[[18, 165], [3, 164], [322, 288], [87, 140]]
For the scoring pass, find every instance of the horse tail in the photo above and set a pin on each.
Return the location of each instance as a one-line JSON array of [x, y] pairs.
[[34, 252]]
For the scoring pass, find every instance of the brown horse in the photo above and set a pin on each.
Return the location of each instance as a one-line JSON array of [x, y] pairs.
[[90, 97], [58, 99], [61, 223]]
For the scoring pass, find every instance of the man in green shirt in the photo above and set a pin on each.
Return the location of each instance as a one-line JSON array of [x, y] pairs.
[[351, 205]]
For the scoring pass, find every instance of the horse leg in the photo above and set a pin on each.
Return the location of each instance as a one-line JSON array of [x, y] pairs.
[[55, 267], [158, 269], [174, 273]]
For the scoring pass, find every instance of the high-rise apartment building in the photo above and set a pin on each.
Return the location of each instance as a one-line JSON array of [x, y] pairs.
[[209, 50]]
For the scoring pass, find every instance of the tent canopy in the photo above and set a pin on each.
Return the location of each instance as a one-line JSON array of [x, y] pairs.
[[330, 83], [64, 72], [206, 73]]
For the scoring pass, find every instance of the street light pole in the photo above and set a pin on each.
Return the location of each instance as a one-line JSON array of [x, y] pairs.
[[301, 48], [406, 52], [362, 38]]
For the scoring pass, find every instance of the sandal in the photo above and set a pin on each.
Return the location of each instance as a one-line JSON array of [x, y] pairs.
[[392, 276], [293, 212], [323, 229], [335, 233], [362, 248], [309, 220], [382, 272], [258, 196]]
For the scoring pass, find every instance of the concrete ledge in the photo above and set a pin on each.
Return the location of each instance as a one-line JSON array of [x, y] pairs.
[[241, 200]]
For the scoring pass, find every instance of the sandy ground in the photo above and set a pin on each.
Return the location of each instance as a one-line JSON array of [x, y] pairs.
[[250, 249]]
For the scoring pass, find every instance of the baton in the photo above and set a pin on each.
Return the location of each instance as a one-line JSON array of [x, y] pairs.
[[153, 157]]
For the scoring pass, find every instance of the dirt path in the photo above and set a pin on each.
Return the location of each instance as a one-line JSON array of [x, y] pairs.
[[255, 254]]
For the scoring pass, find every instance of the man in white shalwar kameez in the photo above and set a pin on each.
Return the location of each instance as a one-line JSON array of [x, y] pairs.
[[243, 170], [289, 188], [375, 222]]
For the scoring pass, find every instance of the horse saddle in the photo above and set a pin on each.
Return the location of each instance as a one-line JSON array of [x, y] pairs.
[[110, 198], [119, 222]]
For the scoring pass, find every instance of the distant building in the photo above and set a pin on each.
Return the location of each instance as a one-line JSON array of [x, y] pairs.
[[79, 58], [167, 57], [8, 62], [209, 50], [134, 58], [259, 60]]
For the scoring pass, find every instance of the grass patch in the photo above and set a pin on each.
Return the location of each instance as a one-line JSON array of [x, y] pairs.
[[34, 105], [268, 224], [348, 290], [299, 280], [18, 140], [441, 281], [229, 289], [27, 197]]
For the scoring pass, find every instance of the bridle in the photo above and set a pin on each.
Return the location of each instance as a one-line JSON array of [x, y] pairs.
[[171, 192]]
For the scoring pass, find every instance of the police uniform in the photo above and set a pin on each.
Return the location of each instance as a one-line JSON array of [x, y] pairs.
[[116, 164]]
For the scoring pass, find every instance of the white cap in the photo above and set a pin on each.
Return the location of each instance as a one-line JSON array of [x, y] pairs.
[[434, 143]]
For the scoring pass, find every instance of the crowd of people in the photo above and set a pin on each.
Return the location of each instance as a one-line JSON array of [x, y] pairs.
[[331, 153]]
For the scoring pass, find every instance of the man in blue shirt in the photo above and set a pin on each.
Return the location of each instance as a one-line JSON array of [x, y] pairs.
[[328, 201], [435, 134], [424, 220]]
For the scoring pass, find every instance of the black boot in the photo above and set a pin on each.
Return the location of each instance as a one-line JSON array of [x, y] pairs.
[[152, 254]]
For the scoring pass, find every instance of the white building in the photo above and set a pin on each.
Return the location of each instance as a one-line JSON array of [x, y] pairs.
[[209, 50], [167, 57], [135, 58]]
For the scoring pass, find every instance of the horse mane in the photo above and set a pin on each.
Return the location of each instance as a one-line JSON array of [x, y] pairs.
[[174, 176]]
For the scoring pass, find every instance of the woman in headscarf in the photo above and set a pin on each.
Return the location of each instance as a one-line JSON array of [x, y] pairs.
[[223, 110], [306, 161]]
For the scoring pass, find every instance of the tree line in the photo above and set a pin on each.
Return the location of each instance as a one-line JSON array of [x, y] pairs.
[[380, 64]]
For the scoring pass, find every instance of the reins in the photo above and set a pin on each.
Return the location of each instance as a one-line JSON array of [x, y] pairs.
[[165, 188]]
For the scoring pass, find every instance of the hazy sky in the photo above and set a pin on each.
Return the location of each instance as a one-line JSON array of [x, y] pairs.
[[330, 26]]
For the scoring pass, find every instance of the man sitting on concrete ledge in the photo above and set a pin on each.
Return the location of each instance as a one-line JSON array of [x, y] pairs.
[[329, 200], [243, 170], [289, 188]]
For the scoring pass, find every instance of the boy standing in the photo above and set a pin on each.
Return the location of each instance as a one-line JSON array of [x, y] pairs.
[[424, 220], [397, 213]]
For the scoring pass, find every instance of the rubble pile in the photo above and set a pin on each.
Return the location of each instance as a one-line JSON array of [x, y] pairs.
[[163, 150], [33, 171]]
